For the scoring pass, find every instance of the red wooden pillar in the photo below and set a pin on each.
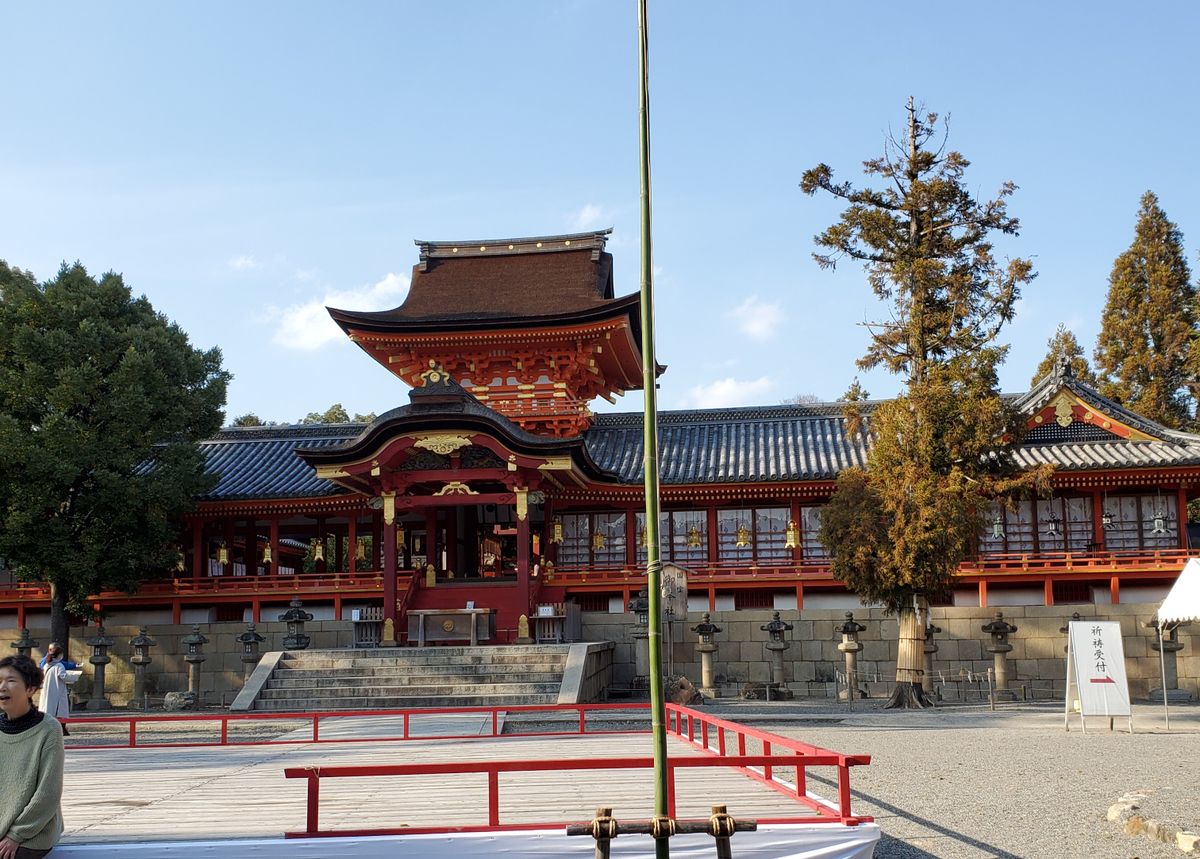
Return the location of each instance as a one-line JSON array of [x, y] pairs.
[[431, 541], [983, 593], [256, 610], [20, 615], [339, 548], [1114, 590], [274, 570], [1097, 519], [712, 597], [631, 539], [199, 556], [389, 562], [337, 606], [451, 546], [523, 579], [713, 544], [176, 613], [800, 597], [352, 543], [1048, 591], [1181, 516]]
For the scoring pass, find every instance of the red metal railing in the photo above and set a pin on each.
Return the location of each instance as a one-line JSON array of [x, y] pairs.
[[763, 767], [221, 723]]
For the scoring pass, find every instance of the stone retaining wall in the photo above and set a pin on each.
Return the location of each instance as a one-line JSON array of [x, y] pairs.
[[810, 663]]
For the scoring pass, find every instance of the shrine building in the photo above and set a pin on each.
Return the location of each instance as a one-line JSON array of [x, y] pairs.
[[496, 487]]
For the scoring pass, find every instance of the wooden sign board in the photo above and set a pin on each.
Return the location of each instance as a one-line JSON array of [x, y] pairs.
[[1096, 670]]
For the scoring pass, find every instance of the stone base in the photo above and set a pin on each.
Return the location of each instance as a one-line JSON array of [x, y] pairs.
[[844, 695], [1005, 695], [94, 704], [766, 692], [1174, 696]]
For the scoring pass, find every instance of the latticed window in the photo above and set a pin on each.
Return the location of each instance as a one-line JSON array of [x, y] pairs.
[[757, 534], [811, 547], [683, 536], [1141, 522], [592, 540], [1059, 524]]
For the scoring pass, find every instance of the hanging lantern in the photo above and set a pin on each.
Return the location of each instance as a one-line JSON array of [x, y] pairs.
[[1106, 520], [597, 541], [318, 550], [180, 562], [556, 532], [401, 534], [694, 537], [642, 537], [792, 540], [1052, 527], [998, 527], [268, 556], [743, 537], [1160, 522], [223, 555], [360, 551]]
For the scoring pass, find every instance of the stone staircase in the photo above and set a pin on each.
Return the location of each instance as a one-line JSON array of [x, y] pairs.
[[402, 678]]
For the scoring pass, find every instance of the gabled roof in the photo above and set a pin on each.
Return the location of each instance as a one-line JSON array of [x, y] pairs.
[[261, 462]]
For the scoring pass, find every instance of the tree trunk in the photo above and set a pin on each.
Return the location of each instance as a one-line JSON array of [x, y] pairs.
[[910, 663], [60, 629]]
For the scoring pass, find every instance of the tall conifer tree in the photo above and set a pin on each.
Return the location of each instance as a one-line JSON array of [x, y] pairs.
[[1143, 353], [897, 530], [1063, 347]]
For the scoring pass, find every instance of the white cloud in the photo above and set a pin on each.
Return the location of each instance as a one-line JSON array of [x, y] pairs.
[[242, 262], [590, 217], [758, 319], [308, 326], [729, 392]]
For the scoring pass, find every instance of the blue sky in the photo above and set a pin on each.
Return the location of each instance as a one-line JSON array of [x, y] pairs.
[[243, 164]]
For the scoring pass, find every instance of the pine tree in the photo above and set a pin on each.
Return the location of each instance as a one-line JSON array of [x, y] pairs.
[[1149, 323], [1063, 347], [897, 530]]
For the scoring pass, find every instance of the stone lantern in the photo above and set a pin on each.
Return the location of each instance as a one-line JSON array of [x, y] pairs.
[[249, 640], [776, 630], [931, 648], [706, 646], [194, 657], [100, 643], [295, 617], [1171, 645], [1000, 630], [851, 646], [141, 644], [639, 607], [24, 644]]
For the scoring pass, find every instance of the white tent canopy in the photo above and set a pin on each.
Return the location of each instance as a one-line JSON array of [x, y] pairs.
[[1183, 602]]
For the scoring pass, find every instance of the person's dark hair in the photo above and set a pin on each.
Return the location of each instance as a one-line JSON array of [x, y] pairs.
[[26, 667]]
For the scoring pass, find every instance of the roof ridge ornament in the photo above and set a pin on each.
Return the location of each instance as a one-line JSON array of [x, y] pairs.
[[1063, 369]]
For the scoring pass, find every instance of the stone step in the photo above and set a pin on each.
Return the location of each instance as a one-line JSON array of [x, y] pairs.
[[421, 669], [319, 680], [481, 650], [326, 662], [402, 702], [384, 690]]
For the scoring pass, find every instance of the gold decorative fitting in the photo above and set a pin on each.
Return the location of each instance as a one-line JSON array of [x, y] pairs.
[[1064, 409], [456, 487], [642, 537], [268, 555], [597, 541], [792, 539], [360, 551], [442, 443], [435, 375], [401, 534], [556, 532], [522, 503], [223, 555], [743, 537], [318, 550]]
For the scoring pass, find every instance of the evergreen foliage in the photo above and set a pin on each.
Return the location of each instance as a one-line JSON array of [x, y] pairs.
[[897, 530], [1063, 347], [1146, 347], [102, 403], [336, 414]]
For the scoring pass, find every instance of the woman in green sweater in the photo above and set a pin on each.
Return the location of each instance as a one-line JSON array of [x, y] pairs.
[[31, 758]]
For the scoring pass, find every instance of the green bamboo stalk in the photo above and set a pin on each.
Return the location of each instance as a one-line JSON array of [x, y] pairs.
[[650, 445]]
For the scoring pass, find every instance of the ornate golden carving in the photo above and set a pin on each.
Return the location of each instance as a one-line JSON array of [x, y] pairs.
[[1063, 409], [456, 487], [389, 508], [442, 443], [448, 625], [522, 503]]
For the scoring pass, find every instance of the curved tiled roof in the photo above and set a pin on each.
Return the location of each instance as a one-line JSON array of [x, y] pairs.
[[736, 445]]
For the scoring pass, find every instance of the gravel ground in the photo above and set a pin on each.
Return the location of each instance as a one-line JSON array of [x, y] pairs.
[[963, 781], [116, 732]]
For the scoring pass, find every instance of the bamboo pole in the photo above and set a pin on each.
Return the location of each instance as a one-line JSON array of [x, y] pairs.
[[662, 847]]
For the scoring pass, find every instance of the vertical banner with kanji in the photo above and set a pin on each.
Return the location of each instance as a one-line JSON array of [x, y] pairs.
[[1096, 657]]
